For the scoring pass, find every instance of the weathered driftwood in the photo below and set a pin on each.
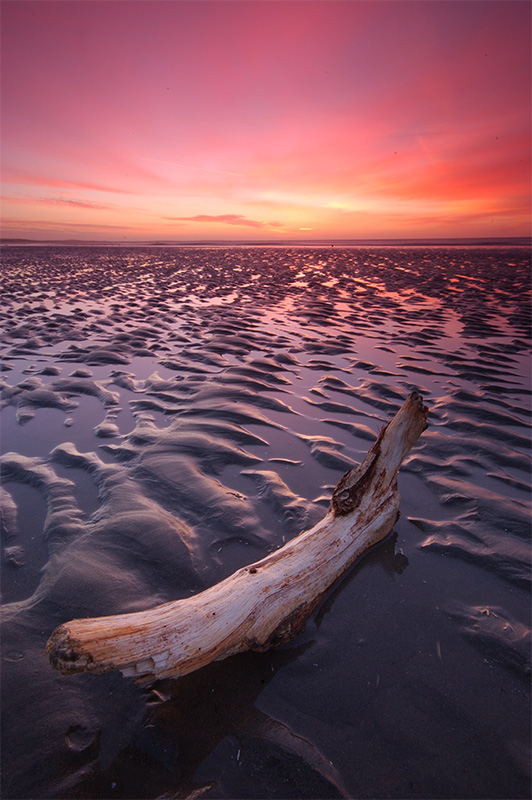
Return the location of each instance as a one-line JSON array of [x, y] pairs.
[[263, 604]]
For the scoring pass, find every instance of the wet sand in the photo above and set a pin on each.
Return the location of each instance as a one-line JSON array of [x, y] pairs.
[[171, 414]]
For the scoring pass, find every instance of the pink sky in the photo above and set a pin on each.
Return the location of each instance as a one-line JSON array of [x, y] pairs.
[[179, 120]]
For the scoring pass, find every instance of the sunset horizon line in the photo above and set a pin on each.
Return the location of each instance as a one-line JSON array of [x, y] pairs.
[[521, 240]]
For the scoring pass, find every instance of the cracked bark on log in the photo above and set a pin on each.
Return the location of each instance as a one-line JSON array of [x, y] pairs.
[[263, 604]]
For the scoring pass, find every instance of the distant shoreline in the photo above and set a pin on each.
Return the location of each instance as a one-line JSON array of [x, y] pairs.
[[510, 241]]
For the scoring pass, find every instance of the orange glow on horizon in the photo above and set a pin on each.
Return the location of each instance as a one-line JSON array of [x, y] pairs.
[[238, 120]]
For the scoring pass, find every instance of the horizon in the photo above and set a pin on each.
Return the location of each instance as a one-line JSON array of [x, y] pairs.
[[296, 120], [504, 241]]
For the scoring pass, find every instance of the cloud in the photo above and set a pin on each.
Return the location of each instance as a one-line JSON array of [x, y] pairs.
[[57, 226], [19, 176], [65, 202], [228, 219]]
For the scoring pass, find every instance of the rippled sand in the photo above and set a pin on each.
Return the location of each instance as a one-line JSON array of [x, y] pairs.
[[171, 414]]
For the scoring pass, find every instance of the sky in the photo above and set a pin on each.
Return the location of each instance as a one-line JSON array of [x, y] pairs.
[[193, 120]]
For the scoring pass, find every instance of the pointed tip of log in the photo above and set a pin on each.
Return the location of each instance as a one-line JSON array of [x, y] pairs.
[[384, 457], [416, 399]]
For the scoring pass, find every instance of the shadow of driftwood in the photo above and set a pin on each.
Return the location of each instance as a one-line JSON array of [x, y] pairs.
[[187, 720]]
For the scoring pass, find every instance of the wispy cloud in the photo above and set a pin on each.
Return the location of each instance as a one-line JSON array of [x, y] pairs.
[[13, 175], [58, 226], [65, 202], [227, 219]]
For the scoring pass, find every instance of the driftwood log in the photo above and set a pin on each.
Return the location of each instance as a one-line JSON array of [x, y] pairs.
[[263, 604]]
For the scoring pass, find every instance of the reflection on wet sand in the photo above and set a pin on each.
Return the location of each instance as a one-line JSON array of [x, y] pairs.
[[187, 722]]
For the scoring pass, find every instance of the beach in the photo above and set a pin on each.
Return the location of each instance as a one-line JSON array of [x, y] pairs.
[[171, 414]]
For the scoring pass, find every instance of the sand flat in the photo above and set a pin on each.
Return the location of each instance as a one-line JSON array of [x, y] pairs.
[[170, 414]]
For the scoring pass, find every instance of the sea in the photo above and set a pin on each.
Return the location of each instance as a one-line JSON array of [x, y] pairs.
[[172, 413]]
